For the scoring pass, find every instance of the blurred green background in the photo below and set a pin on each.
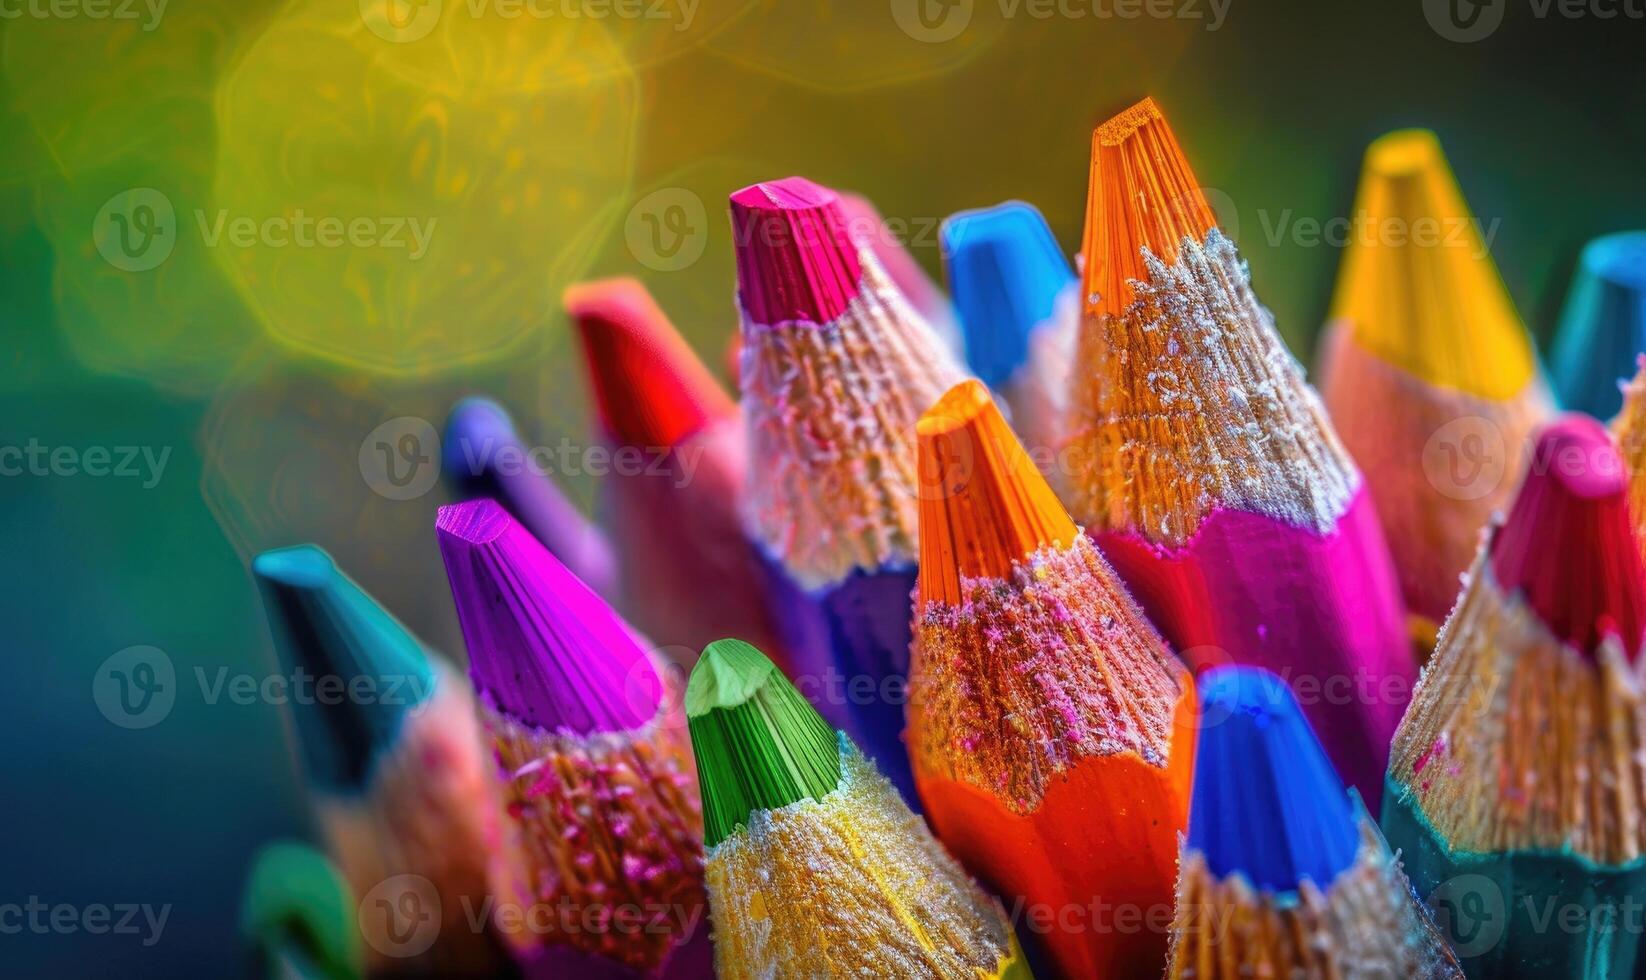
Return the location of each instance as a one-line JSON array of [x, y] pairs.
[[538, 149]]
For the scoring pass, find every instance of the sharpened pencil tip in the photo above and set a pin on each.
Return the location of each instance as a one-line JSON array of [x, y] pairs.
[[650, 388], [1142, 196], [759, 744], [1567, 545], [326, 625], [983, 504], [1267, 803], [796, 258], [543, 647]]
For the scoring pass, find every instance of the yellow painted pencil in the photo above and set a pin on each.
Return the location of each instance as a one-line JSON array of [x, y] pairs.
[[1427, 371]]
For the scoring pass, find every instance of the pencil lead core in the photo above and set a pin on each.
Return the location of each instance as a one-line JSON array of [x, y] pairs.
[[1142, 195], [759, 744], [796, 258], [1418, 288], [542, 646], [1568, 546], [983, 504], [650, 388]]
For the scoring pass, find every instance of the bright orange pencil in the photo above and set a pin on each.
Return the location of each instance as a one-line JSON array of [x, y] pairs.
[[1051, 729]]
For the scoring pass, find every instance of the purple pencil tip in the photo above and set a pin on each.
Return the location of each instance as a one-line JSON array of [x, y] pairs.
[[543, 648]]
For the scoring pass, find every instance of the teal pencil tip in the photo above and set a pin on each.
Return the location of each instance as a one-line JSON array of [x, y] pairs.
[[352, 672]]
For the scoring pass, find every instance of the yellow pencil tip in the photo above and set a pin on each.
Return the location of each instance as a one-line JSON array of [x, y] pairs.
[[1417, 286]]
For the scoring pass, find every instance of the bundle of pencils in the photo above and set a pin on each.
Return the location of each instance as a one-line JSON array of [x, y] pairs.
[[1052, 731], [1521, 764], [1283, 872], [688, 575], [837, 367], [481, 455], [1603, 325], [391, 751], [598, 869], [297, 914], [1019, 307], [1206, 467], [816, 868], [1424, 343]]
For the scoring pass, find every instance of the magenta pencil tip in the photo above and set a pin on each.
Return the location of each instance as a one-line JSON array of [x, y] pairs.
[[796, 260], [543, 648], [1568, 545]]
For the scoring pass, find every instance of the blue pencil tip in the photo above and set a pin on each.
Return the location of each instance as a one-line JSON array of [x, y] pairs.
[[475, 429], [351, 671], [1267, 803], [1005, 273], [1603, 324]]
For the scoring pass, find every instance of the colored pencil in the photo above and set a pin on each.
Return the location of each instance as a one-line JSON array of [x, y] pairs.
[[390, 748], [1424, 343], [1603, 324], [298, 916], [1051, 728], [1019, 307], [815, 866], [1283, 872], [1521, 763], [688, 574], [1629, 432], [482, 456], [600, 845], [837, 367], [872, 231], [1206, 466]]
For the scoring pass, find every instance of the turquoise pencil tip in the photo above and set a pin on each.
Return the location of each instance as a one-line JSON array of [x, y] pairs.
[[1603, 324], [352, 670]]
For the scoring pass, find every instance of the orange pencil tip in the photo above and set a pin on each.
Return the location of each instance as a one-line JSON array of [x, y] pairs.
[[1142, 194], [983, 504], [649, 387]]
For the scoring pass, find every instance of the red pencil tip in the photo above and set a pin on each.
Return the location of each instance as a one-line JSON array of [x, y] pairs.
[[796, 259], [649, 387], [1568, 546]]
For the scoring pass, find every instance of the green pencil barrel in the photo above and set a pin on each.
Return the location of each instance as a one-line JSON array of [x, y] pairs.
[[1540, 914]]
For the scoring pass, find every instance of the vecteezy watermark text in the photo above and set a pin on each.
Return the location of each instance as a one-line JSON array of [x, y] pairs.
[[43, 918], [137, 688], [938, 21], [35, 458], [405, 21], [137, 229], [1467, 21], [148, 11], [401, 459]]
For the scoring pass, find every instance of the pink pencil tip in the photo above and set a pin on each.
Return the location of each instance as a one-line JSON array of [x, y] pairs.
[[1568, 545], [543, 648], [650, 388], [796, 258]]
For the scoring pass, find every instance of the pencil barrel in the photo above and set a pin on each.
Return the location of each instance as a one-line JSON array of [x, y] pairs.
[[1322, 612], [1088, 876], [1537, 914]]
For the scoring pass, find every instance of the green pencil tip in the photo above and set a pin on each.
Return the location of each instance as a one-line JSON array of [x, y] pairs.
[[297, 909], [759, 744]]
